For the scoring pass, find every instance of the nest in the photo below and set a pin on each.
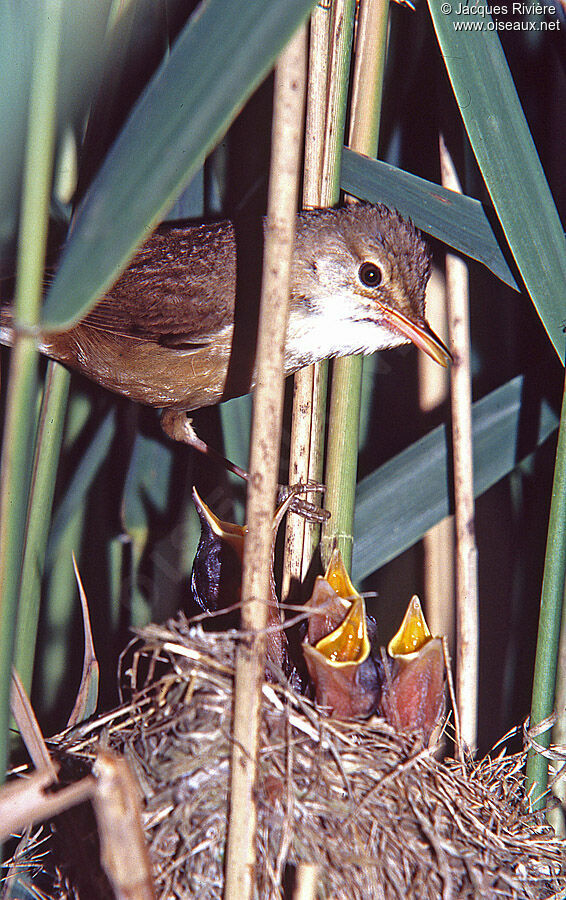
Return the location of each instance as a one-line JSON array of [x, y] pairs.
[[379, 814]]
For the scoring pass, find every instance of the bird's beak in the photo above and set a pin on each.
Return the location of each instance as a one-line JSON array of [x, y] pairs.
[[225, 531], [349, 643], [337, 648], [331, 600], [337, 577], [413, 633], [327, 610], [342, 670], [413, 690], [421, 334], [222, 579]]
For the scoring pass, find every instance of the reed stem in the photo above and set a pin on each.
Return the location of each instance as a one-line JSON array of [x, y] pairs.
[[467, 610], [20, 422], [290, 79], [345, 397], [550, 615]]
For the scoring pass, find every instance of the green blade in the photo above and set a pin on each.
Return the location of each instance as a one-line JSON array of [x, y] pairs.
[[83, 27], [459, 221], [222, 54], [81, 482], [410, 493], [507, 156]]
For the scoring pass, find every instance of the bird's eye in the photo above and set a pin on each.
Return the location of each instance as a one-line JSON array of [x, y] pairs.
[[370, 275]]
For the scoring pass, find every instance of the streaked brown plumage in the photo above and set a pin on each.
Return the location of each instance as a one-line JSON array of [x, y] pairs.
[[164, 333]]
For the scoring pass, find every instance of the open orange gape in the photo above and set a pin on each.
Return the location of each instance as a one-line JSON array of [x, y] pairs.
[[347, 672], [353, 676]]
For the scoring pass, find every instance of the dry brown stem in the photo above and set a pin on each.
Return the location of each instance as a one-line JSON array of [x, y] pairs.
[[467, 623], [264, 459]]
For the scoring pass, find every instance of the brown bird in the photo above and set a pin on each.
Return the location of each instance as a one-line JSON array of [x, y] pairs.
[[171, 332], [413, 687], [338, 646], [216, 578]]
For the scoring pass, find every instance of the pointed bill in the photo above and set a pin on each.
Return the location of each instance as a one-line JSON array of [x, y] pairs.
[[349, 643], [337, 577], [421, 335], [227, 531], [326, 611], [413, 633]]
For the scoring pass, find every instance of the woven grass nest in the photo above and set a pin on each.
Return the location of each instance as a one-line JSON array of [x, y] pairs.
[[379, 814]]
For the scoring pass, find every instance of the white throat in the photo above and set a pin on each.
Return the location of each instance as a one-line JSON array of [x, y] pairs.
[[314, 337]]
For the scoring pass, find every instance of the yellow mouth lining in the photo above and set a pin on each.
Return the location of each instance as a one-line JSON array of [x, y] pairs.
[[349, 643], [413, 633], [338, 578]]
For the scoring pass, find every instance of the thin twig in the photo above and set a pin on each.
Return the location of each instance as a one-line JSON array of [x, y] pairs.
[[309, 386], [457, 728], [345, 398], [266, 431], [467, 626]]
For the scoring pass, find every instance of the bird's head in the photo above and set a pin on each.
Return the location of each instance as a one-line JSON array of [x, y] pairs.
[[360, 278]]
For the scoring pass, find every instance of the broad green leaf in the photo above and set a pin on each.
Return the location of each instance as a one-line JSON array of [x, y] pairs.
[[83, 28], [147, 488], [459, 221], [410, 493], [222, 54], [81, 482], [137, 40], [507, 156]]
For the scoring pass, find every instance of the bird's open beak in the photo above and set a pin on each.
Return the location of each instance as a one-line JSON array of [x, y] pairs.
[[225, 531], [413, 633], [344, 674], [337, 577], [349, 643], [413, 691], [421, 334], [337, 648]]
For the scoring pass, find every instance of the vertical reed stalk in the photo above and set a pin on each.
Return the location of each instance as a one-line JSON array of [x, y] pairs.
[[542, 703], [329, 66], [556, 815], [467, 625], [438, 542], [19, 423], [48, 445], [309, 384], [266, 431], [340, 50], [344, 417]]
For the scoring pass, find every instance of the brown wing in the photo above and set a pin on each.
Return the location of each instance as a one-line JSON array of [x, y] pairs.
[[178, 290]]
